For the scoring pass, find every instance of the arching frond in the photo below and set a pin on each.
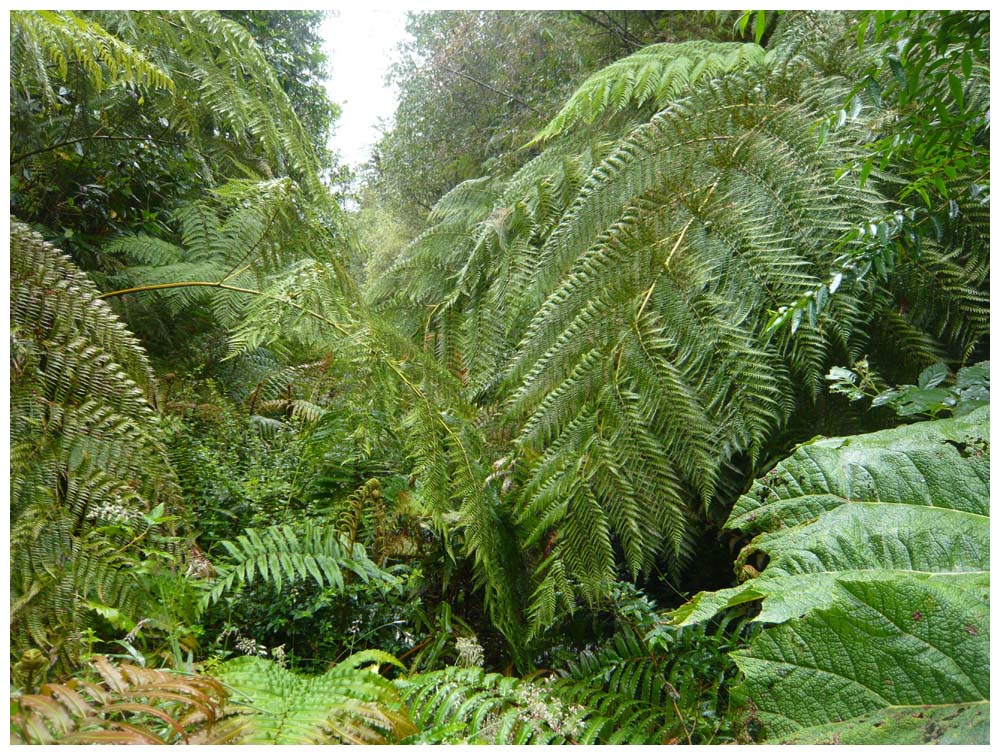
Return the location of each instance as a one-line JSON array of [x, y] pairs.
[[656, 75], [65, 38], [615, 302], [229, 246], [126, 704], [280, 555], [87, 460]]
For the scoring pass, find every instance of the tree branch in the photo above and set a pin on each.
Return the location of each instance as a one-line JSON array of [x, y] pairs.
[[626, 38], [483, 84], [57, 145]]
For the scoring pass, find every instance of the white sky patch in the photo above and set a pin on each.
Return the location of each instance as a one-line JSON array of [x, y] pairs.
[[361, 45]]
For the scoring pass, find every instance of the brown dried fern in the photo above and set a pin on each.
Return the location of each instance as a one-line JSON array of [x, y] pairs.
[[125, 704]]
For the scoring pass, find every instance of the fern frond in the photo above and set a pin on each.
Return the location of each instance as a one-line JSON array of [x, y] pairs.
[[349, 704], [657, 74], [125, 704], [229, 246], [279, 555], [66, 38], [467, 705], [470, 706], [87, 458]]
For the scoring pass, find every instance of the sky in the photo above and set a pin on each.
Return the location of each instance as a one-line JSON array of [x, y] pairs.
[[361, 44]]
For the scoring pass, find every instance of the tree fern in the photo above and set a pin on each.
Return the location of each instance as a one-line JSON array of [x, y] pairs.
[[666, 281], [87, 461], [621, 320]]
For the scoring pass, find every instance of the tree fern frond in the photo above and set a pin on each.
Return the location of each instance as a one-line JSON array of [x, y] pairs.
[[88, 460], [656, 74], [65, 38]]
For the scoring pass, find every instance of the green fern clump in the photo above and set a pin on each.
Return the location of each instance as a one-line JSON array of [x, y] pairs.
[[349, 704], [470, 706], [629, 691], [652, 334], [669, 684]]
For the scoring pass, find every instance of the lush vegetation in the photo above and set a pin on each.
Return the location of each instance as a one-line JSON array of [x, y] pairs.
[[639, 395]]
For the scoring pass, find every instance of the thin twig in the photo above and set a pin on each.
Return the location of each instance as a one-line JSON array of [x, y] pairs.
[[508, 95]]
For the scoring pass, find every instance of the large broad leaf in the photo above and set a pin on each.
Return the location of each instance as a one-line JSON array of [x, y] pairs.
[[877, 583]]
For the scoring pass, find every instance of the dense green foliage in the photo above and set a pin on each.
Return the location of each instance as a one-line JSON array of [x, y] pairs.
[[448, 468], [118, 116]]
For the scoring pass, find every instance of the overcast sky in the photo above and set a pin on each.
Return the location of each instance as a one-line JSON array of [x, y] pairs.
[[361, 45]]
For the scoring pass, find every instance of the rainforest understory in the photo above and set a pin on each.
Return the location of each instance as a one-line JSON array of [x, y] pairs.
[[636, 391]]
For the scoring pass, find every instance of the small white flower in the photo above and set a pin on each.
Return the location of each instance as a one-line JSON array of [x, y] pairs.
[[470, 652], [278, 654]]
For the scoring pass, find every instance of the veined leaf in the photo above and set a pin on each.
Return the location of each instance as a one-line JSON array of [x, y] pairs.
[[878, 581], [905, 726]]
